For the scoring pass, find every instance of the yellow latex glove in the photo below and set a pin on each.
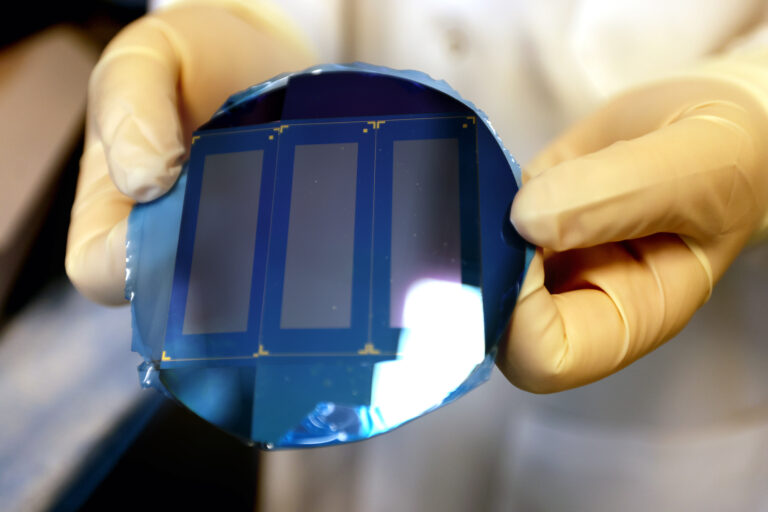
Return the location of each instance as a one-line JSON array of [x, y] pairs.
[[159, 79], [640, 209]]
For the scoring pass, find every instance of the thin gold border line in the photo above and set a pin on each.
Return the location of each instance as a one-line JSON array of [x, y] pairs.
[[167, 359], [249, 130]]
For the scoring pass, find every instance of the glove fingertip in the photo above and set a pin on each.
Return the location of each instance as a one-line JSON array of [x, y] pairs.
[[144, 152], [142, 172], [533, 218], [146, 181], [148, 185]]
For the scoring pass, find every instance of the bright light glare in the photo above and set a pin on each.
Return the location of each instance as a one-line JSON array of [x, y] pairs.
[[442, 342]]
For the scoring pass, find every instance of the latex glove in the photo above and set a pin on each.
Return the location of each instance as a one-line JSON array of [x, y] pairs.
[[640, 209], [159, 79]]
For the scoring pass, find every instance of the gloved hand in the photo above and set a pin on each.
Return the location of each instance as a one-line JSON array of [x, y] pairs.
[[639, 210], [159, 79]]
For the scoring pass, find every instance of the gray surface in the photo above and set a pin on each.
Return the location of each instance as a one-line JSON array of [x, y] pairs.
[[317, 290], [426, 239], [66, 376], [225, 237]]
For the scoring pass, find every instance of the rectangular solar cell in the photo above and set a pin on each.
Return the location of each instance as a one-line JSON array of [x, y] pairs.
[[426, 236], [222, 261], [317, 287]]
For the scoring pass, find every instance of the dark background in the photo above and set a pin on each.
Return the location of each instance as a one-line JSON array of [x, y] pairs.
[[159, 456]]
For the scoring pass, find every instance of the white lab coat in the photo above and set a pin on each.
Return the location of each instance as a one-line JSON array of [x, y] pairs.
[[685, 428]]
